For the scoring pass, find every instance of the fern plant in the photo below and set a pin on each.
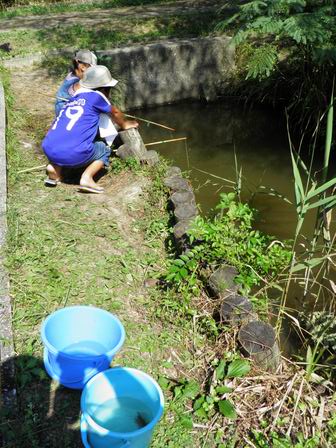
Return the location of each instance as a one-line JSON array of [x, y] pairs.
[[292, 41]]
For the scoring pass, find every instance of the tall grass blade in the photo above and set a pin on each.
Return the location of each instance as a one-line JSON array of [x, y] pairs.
[[299, 190], [321, 189], [326, 201], [329, 134]]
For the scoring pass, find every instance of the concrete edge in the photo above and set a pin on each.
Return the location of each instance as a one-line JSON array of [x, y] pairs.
[[7, 372], [37, 58]]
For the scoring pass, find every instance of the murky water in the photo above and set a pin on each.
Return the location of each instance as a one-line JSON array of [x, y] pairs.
[[215, 134], [223, 138], [122, 414]]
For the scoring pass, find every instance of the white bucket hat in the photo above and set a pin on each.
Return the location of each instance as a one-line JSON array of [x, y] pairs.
[[97, 76], [86, 56]]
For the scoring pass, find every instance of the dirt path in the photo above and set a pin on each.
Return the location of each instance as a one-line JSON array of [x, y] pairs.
[[99, 16]]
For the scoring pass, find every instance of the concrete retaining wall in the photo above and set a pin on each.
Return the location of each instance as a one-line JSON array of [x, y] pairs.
[[171, 71], [161, 73], [7, 392]]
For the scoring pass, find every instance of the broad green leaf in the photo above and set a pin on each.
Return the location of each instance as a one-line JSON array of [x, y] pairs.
[[223, 390], [201, 412], [209, 399], [163, 382], [227, 409], [186, 422], [183, 272], [198, 403], [309, 263], [220, 370], [238, 368], [191, 390]]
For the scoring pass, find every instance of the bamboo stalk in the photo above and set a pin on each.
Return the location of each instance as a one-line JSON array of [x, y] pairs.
[[166, 141], [34, 168]]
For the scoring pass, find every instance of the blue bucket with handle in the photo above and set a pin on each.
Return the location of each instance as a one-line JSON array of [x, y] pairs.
[[79, 342], [120, 408]]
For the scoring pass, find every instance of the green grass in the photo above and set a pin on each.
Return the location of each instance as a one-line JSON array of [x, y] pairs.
[[64, 248], [105, 36], [25, 8]]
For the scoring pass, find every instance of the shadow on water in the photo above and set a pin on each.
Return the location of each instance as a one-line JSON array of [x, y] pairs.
[[46, 415]]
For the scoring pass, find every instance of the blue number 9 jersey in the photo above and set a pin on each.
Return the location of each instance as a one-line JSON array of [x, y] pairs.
[[69, 142]]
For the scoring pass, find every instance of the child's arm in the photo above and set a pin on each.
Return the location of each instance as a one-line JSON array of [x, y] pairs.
[[119, 118]]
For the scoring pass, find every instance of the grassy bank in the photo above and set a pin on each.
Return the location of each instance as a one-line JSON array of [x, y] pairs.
[[106, 36], [65, 248], [15, 9]]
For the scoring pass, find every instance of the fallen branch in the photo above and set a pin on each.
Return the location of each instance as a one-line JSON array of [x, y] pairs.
[[289, 388], [295, 408], [166, 141], [34, 168]]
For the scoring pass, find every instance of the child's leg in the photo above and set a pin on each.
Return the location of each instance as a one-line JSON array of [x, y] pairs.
[[87, 177], [54, 171]]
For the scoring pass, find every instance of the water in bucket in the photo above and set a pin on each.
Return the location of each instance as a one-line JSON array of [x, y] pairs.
[[120, 408], [84, 348], [124, 414], [79, 342]]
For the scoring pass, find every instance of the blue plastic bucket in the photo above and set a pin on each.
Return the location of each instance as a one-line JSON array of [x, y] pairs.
[[79, 342], [120, 408]]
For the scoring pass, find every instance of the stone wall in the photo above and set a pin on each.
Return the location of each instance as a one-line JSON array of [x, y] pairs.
[[160, 73], [170, 71]]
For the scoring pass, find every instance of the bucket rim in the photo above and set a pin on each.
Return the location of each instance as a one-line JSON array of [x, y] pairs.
[[55, 351], [125, 435]]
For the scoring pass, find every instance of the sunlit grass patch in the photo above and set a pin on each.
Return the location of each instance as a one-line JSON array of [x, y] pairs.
[[14, 9], [105, 36]]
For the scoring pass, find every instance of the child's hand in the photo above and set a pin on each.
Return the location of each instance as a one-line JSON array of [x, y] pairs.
[[129, 124]]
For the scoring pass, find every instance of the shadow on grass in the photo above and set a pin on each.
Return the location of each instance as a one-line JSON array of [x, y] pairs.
[[46, 414]]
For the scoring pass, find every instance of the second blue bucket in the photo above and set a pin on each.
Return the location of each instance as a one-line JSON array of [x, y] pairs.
[[79, 342], [120, 408]]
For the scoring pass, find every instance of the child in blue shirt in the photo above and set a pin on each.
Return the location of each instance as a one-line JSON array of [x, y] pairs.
[[70, 140], [82, 61]]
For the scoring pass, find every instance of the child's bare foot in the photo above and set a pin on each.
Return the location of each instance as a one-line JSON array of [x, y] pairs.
[[54, 175], [54, 172], [89, 185]]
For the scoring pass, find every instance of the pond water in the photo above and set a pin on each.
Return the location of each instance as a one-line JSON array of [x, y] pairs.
[[215, 134], [219, 136]]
